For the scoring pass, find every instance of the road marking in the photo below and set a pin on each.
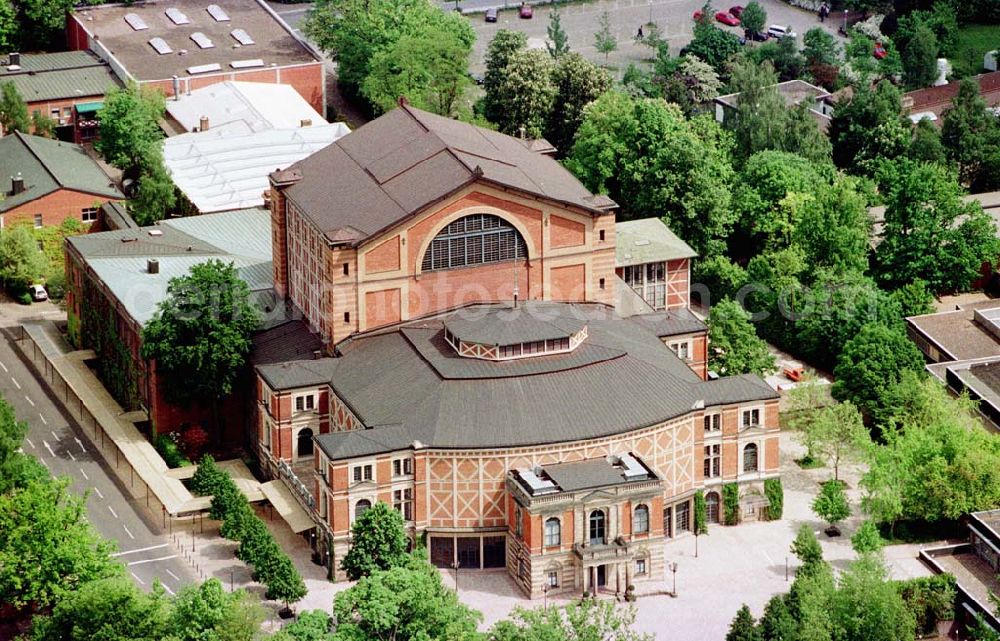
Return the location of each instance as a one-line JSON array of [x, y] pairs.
[[151, 547], [28, 441], [45, 464], [4, 367], [162, 558], [167, 588], [30, 402], [127, 531], [113, 513], [44, 422], [78, 442], [16, 384], [84, 474], [71, 455], [48, 447], [99, 493], [176, 578], [136, 577], [56, 436]]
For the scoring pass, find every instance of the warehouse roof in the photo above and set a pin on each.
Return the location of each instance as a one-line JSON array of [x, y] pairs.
[[227, 167], [120, 258], [648, 240], [259, 105], [406, 385], [65, 75], [248, 36], [394, 166], [48, 166]]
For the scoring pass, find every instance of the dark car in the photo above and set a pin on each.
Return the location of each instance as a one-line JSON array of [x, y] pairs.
[[491, 14], [736, 11], [526, 11], [755, 36]]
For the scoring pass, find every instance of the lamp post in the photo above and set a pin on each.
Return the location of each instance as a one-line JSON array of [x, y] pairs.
[[455, 566], [845, 22], [650, 11], [545, 596], [673, 570]]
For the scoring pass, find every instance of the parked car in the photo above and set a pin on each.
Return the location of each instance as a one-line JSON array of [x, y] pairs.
[[477, 78], [697, 15], [755, 36], [778, 31], [727, 18], [880, 51], [491, 14], [736, 11], [38, 293], [526, 11]]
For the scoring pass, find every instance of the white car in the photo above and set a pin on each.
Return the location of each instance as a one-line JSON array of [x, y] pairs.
[[778, 31], [38, 293]]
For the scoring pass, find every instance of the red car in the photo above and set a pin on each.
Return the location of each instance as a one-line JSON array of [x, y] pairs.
[[736, 11], [526, 11], [880, 51], [727, 18], [697, 15]]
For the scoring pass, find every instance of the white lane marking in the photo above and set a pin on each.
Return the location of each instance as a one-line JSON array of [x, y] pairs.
[[30, 402], [176, 578], [45, 464], [28, 441], [49, 448], [71, 455], [84, 474], [56, 436], [113, 513], [16, 384], [162, 558], [136, 577], [44, 422], [127, 531], [4, 367], [78, 442], [99, 493], [151, 547], [167, 588]]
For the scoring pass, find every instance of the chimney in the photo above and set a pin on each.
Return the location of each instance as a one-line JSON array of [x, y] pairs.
[[203, 124], [306, 122], [317, 354], [14, 58], [153, 266], [16, 184], [177, 88]]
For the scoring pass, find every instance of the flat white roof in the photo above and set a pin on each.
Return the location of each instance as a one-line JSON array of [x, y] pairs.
[[223, 169], [260, 105]]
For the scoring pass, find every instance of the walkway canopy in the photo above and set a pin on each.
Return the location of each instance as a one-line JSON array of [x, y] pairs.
[[281, 498]]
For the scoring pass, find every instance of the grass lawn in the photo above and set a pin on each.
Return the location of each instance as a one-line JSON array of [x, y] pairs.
[[974, 40]]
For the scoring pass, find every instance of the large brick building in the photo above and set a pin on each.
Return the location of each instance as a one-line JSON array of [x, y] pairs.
[[480, 378], [185, 44]]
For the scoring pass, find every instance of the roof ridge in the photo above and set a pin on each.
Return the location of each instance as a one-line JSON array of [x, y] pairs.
[[24, 140]]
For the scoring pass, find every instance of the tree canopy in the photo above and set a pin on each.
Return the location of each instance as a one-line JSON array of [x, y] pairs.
[[499, 52], [734, 347], [831, 503], [13, 109], [590, 619], [869, 126], [21, 262], [129, 126], [378, 542], [17, 469], [970, 136]]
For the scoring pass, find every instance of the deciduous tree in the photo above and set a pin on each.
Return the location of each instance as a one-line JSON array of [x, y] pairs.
[[558, 42], [819, 47], [129, 126], [17, 469], [868, 126], [43, 23], [753, 17], [378, 542], [971, 138], [13, 109], [21, 262], [588, 619], [155, 195], [578, 83], [831, 504], [867, 605], [920, 59], [527, 93], [734, 347], [807, 549], [604, 38], [866, 539], [839, 434], [713, 45], [8, 26], [498, 54], [111, 609]]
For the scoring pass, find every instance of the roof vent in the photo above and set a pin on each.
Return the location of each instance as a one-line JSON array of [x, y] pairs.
[[214, 66], [14, 59], [241, 36], [155, 232], [203, 41], [17, 184], [153, 266], [160, 45], [136, 22], [203, 123], [217, 12], [306, 122]]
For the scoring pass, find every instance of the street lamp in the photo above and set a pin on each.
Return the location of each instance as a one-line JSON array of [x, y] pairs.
[[673, 570], [650, 11], [545, 596], [455, 566], [845, 22]]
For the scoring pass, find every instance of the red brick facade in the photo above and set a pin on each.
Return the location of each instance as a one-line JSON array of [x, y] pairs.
[[54, 208]]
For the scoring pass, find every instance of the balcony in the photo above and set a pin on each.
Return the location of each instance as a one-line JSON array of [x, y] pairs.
[[600, 552]]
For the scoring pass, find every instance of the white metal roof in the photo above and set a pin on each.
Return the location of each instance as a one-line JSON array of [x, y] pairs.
[[261, 105], [219, 170]]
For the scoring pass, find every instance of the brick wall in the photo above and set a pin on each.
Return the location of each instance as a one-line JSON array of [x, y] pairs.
[[54, 207]]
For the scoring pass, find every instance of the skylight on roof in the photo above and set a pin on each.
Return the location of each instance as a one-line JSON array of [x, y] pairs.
[[241, 36], [218, 13], [246, 64], [202, 40], [134, 21], [177, 16], [161, 46], [204, 68]]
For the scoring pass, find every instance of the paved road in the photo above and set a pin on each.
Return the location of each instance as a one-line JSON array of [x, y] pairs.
[[58, 442]]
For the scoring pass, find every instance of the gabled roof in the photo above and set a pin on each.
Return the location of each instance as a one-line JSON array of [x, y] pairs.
[[938, 99], [793, 91], [398, 164], [66, 75], [648, 240], [47, 166], [260, 105]]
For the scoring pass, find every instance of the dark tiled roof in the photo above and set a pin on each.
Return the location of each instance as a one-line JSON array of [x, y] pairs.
[[671, 322], [66, 75], [47, 166], [387, 379], [583, 475], [274, 43], [506, 325], [396, 165], [288, 341], [116, 216]]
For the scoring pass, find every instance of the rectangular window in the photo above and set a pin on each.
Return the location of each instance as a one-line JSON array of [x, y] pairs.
[[554, 574], [347, 269], [640, 566], [713, 461], [600, 235], [305, 403], [402, 502], [38, 221], [362, 473], [347, 317], [601, 281], [713, 422], [89, 214], [751, 418], [682, 349], [402, 467]]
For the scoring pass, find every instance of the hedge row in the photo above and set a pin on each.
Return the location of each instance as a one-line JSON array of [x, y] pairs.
[[271, 566]]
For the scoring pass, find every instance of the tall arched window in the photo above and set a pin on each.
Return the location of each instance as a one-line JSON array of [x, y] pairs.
[[597, 536], [474, 240], [361, 507], [750, 457], [712, 507], [553, 532], [640, 523], [305, 442]]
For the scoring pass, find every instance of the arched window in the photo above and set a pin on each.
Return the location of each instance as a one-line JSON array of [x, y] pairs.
[[597, 528], [474, 240], [305, 442], [553, 532], [712, 507], [640, 523], [361, 507], [750, 457]]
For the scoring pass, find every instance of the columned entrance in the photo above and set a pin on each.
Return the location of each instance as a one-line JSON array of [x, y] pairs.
[[602, 579]]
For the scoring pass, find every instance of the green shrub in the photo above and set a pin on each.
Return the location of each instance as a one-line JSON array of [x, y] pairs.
[[930, 598], [731, 504], [775, 494], [24, 298], [171, 454]]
